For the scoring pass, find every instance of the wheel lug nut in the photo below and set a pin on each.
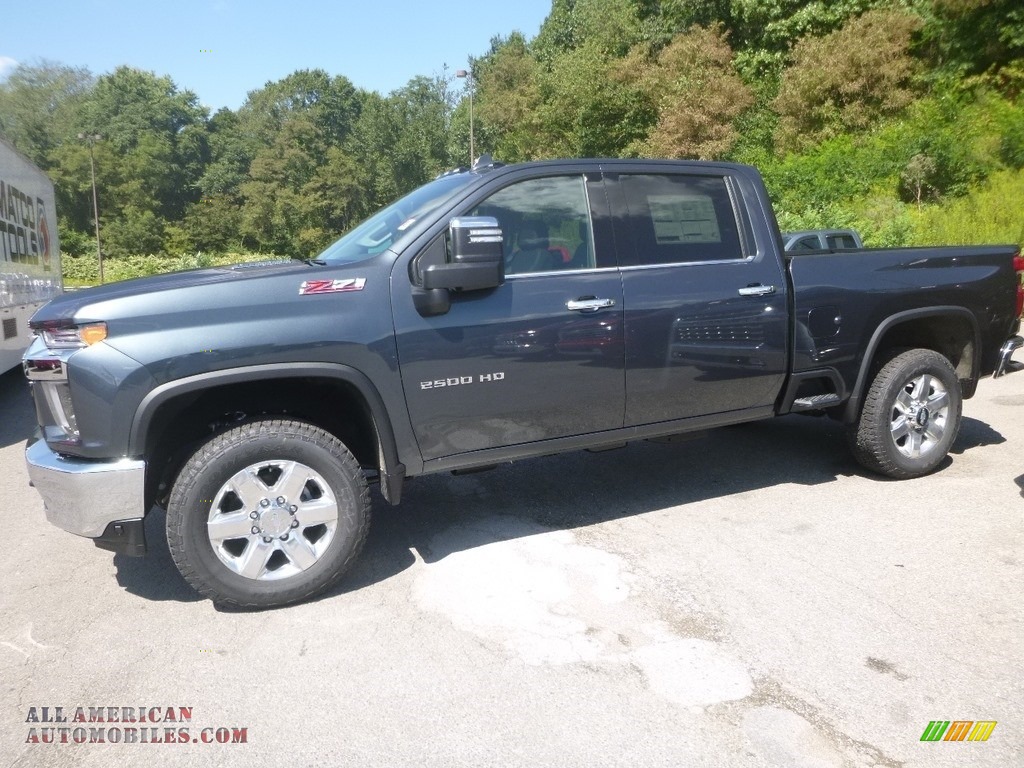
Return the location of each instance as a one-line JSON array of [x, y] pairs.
[[293, 509], [255, 529], [284, 537], [281, 499], [254, 515], [266, 539], [295, 523], [265, 502]]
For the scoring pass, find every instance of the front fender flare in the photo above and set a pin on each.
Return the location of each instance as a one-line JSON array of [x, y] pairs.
[[392, 470]]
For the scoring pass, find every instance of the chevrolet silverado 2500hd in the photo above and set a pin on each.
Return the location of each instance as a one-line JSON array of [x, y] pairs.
[[493, 314]]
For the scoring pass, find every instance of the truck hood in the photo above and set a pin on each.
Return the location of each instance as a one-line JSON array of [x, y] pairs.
[[69, 305]]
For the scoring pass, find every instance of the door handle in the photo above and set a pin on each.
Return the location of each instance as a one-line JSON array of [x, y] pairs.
[[588, 304], [757, 290]]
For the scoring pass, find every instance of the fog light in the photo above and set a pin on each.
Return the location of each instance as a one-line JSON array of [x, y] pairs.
[[58, 398]]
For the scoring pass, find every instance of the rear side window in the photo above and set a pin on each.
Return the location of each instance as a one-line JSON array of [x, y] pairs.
[[840, 242], [810, 243], [678, 219]]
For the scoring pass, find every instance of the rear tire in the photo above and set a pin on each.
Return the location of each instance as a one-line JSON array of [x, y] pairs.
[[266, 514], [910, 417]]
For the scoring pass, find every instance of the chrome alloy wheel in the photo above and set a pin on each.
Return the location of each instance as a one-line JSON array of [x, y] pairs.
[[919, 416], [272, 520]]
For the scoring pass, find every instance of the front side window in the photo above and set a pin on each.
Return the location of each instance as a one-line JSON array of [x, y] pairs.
[[545, 223], [678, 219]]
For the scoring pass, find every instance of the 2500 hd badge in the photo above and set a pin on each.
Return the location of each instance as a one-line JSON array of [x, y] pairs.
[[456, 381]]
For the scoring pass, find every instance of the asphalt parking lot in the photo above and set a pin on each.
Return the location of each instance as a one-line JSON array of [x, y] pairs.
[[747, 599]]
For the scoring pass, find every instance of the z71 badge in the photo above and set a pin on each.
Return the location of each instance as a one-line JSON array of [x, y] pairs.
[[332, 286]]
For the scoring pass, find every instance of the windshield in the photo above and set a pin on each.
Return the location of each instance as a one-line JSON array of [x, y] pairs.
[[381, 230]]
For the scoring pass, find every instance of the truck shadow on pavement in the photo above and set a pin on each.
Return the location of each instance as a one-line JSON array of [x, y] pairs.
[[975, 434], [580, 489], [17, 413], [569, 491], [155, 576]]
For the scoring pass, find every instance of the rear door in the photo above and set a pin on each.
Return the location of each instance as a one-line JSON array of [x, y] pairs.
[[705, 307], [539, 357]]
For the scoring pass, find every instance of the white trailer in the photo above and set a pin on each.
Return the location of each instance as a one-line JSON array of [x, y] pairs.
[[30, 273]]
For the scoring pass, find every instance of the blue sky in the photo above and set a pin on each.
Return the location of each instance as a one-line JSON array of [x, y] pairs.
[[222, 49]]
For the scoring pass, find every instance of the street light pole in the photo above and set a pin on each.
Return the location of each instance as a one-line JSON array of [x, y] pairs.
[[93, 138], [469, 83]]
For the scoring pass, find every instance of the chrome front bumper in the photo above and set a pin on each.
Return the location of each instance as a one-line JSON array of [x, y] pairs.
[[1006, 364], [84, 497]]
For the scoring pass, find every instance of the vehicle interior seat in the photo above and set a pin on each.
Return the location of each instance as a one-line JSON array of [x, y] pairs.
[[533, 254]]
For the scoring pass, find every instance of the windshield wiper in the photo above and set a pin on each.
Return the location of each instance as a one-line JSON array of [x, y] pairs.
[[311, 262]]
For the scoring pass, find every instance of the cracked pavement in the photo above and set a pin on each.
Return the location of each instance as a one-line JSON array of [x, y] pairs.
[[750, 598]]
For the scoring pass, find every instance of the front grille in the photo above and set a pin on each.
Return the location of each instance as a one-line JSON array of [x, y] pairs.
[[10, 328]]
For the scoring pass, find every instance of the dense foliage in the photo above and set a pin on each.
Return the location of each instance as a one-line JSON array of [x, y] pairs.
[[903, 118]]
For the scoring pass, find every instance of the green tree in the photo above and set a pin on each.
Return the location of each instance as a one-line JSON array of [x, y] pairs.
[[148, 162], [664, 19], [273, 212], [586, 110], [331, 104], [278, 157], [420, 112], [556, 96], [612, 27], [39, 104], [696, 95], [847, 80], [508, 98], [778, 25], [973, 36]]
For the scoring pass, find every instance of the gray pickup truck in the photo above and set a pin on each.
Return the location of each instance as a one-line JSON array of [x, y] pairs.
[[491, 315], [822, 240]]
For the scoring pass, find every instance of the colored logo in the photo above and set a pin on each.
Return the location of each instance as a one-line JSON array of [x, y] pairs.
[[311, 287], [958, 730]]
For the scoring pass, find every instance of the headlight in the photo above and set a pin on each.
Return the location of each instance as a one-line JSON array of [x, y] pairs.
[[74, 336]]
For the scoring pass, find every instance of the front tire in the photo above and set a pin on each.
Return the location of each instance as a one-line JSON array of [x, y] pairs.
[[911, 415], [266, 514]]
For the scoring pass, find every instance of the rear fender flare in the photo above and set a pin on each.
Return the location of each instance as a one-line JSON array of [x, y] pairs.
[[961, 313]]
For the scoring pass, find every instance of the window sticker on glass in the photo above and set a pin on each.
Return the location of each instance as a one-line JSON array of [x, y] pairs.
[[679, 219]]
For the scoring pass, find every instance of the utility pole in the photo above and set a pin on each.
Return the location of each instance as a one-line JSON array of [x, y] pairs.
[[92, 138], [469, 84]]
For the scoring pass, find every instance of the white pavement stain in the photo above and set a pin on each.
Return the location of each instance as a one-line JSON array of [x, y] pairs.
[[524, 592], [787, 740], [26, 644], [550, 600], [689, 671]]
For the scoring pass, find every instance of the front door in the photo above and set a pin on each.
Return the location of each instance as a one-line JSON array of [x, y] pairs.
[[541, 356]]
